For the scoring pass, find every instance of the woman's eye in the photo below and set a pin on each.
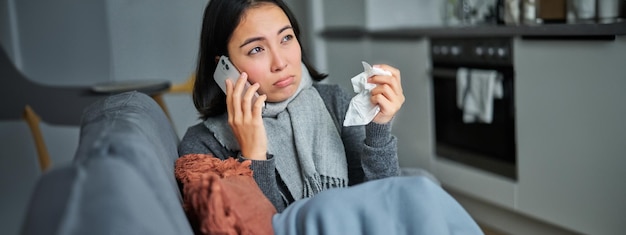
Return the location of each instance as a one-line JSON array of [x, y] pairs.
[[255, 50], [287, 38]]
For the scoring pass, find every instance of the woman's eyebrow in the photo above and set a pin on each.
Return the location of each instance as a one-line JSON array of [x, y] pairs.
[[251, 40], [254, 39], [284, 28]]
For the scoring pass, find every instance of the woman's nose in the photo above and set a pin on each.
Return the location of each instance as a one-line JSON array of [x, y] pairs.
[[278, 62]]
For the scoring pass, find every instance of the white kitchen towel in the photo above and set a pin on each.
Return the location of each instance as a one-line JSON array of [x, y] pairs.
[[476, 90], [361, 110]]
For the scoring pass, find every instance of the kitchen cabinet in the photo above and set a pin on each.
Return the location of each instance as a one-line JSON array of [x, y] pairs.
[[569, 113], [569, 96], [571, 132]]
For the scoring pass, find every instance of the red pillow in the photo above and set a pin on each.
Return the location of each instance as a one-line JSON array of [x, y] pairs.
[[221, 197]]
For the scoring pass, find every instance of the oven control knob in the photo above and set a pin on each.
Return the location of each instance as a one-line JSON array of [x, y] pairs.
[[455, 50], [502, 52], [491, 51], [444, 50], [479, 51]]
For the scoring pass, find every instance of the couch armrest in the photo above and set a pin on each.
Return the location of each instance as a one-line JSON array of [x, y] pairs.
[[104, 196], [122, 178]]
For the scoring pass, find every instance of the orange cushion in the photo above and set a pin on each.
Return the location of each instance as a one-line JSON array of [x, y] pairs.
[[221, 197]]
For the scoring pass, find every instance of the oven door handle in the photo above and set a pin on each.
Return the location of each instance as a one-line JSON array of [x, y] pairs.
[[443, 73]]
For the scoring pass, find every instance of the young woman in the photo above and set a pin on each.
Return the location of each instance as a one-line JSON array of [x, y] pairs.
[[296, 142]]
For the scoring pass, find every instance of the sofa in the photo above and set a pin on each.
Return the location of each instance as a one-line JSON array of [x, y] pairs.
[[121, 180]]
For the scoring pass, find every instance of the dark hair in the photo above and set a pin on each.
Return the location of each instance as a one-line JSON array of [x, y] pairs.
[[221, 17]]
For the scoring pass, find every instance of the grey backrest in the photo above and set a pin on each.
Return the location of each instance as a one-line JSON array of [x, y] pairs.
[[122, 178]]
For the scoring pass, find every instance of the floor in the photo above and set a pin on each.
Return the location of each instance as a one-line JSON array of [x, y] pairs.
[[490, 231], [497, 221]]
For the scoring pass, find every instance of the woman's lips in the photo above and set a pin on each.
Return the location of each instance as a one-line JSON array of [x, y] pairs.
[[284, 82]]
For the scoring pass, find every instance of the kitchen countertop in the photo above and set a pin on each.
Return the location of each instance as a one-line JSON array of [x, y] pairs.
[[548, 31]]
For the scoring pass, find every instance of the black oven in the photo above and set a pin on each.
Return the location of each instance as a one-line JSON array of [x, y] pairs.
[[490, 146]]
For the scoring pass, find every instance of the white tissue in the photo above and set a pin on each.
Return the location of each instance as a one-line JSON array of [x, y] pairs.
[[361, 110]]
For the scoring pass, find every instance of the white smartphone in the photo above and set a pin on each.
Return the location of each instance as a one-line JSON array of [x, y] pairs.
[[226, 70]]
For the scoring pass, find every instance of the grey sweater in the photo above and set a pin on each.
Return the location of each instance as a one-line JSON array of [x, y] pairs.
[[371, 150]]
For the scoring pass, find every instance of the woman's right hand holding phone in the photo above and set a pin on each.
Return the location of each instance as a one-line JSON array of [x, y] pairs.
[[244, 118]]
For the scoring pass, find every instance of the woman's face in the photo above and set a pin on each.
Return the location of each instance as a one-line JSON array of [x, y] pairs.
[[264, 45]]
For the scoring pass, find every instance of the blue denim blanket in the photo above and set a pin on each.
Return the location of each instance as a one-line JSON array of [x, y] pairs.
[[398, 205]]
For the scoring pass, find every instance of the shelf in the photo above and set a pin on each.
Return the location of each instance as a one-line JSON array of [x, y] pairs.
[[556, 31]]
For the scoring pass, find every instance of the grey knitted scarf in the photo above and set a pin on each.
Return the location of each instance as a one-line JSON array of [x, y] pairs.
[[307, 147]]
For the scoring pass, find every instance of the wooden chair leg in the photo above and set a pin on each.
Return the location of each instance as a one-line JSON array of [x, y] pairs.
[[185, 87], [33, 121], [159, 100]]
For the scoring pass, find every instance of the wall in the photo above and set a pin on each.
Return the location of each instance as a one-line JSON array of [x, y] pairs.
[[5, 25], [49, 46], [82, 43], [343, 60], [56, 48], [149, 41], [410, 57], [157, 41], [12, 162]]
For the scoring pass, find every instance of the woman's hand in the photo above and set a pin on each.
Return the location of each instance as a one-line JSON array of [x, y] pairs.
[[387, 94], [244, 118]]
